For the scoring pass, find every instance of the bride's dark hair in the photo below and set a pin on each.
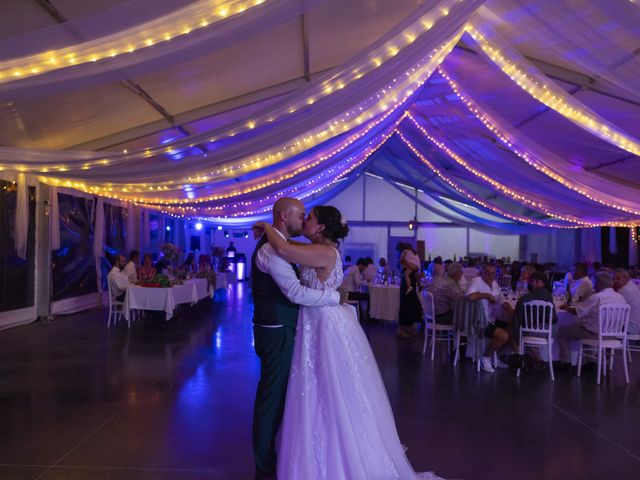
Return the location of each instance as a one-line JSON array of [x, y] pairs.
[[334, 227]]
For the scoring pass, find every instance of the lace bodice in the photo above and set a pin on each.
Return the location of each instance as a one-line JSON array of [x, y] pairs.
[[309, 276]]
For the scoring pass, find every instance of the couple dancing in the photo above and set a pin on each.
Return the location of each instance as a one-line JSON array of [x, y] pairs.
[[336, 422]]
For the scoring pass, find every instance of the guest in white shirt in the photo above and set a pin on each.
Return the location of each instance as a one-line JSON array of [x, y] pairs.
[[131, 268], [370, 271], [353, 276], [118, 280], [631, 293], [385, 269], [485, 289], [581, 287], [588, 312]]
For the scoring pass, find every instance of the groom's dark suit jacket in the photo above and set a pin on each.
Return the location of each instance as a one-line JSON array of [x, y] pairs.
[[271, 307]]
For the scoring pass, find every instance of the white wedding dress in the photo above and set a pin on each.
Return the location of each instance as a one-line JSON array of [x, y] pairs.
[[338, 424]]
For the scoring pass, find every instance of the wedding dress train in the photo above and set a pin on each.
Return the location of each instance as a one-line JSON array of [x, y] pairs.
[[338, 424]]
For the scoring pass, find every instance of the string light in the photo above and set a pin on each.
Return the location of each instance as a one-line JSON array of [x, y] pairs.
[[503, 136], [338, 81], [176, 24], [403, 91], [529, 79], [486, 205], [523, 198]]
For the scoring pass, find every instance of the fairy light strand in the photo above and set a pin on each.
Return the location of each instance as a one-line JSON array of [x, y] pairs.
[[553, 96], [374, 59], [509, 142], [523, 198], [485, 204]]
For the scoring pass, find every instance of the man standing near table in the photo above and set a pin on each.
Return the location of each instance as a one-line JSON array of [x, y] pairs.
[[485, 289], [588, 312]]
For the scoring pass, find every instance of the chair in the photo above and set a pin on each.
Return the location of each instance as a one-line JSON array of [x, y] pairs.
[[612, 335], [470, 321], [438, 332], [535, 331], [116, 309], [635, 347], [505, 281]]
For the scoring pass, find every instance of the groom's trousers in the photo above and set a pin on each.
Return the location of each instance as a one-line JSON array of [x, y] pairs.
[[274, 346]]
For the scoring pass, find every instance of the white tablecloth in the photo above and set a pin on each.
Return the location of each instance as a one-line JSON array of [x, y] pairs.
[[160, 299], [202, 287], [384, 302]]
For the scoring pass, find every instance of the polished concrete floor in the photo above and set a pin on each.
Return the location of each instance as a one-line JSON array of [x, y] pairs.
[[172, 400]]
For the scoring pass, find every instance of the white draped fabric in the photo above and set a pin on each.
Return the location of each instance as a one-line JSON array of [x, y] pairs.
[[633, 250], [528, 76], [365, 240], [99, 47], [604, 49], [153, 165], [22, 217], [145, 231], [131, 228], [54, 223]]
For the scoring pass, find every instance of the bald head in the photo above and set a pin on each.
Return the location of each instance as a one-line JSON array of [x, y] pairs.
[[288, 216]]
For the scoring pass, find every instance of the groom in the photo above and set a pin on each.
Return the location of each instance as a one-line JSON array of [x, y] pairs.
[[277, 292]]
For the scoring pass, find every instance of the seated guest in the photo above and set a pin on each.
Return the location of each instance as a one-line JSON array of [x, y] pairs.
[[439, 270], [485, 289], [131, 268], [189, 265], [525, 274], [385, 269], [118, 280], [353, 276], [370, 271], [538, 290], [436, 261], [444, 289], [146, 273], [204, 264], [631, 293], [347, 262], [588, 312], [581, 287]]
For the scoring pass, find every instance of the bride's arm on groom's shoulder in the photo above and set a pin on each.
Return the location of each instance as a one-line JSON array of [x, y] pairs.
[[305, 254]]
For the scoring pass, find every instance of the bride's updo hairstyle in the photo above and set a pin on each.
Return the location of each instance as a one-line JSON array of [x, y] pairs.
[[334, 227]]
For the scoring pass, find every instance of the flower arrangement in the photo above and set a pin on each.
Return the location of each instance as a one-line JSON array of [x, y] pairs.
[[172, 253], [161, 280]]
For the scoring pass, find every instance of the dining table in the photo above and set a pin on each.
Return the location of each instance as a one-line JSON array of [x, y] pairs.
[[160, 299], [384, 302]]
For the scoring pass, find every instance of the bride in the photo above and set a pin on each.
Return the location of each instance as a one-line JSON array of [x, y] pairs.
[[337, 423]]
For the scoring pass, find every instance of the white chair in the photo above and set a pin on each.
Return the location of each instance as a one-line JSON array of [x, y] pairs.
[[505, 281], [612, 335], [439, 333], [632, 347], [535, 330], [116, 309], [468, 318]]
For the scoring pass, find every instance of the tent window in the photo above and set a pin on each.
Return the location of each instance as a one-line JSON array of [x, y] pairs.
[[16, 274]]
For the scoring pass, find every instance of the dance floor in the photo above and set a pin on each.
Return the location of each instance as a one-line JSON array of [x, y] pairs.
[[173, 400]]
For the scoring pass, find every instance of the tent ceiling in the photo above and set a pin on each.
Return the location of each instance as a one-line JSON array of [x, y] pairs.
[[202, 90]]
